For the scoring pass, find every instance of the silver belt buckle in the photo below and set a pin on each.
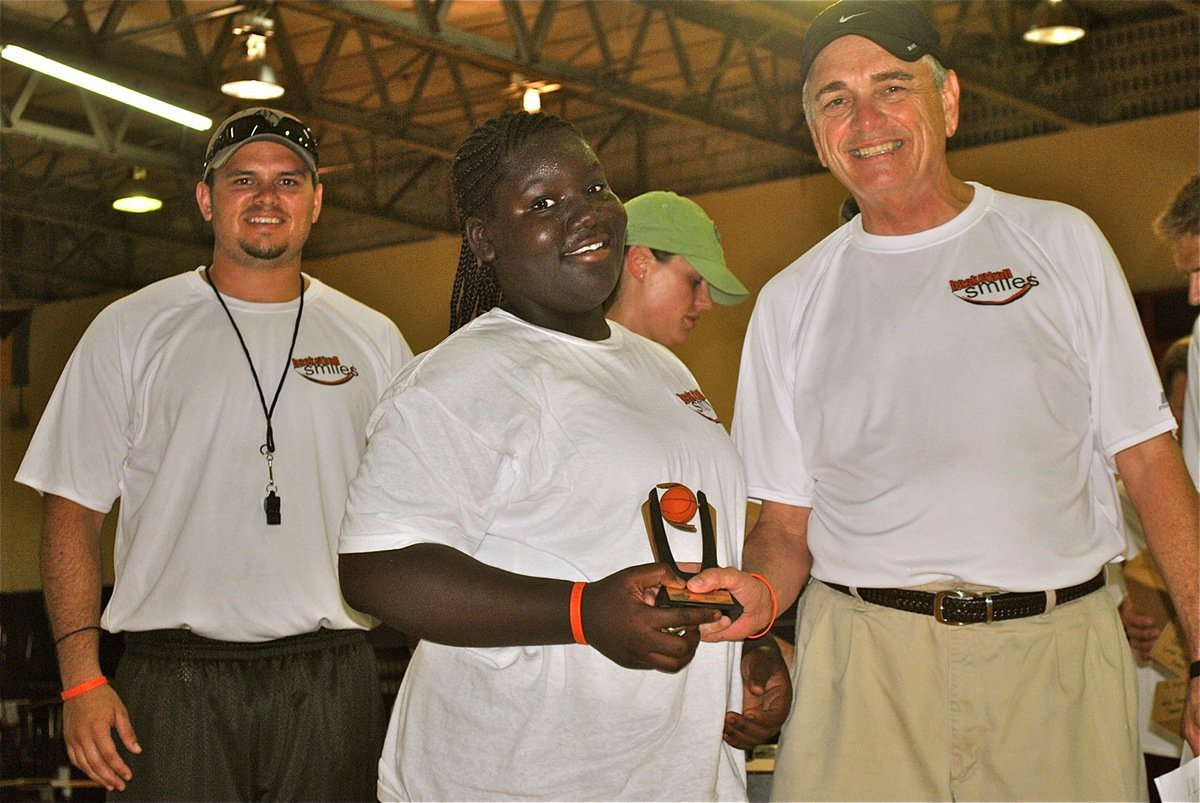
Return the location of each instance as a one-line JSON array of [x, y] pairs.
[[939, 599]]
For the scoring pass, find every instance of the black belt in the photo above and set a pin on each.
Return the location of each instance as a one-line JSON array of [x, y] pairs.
[[959, 607], [186, 644]]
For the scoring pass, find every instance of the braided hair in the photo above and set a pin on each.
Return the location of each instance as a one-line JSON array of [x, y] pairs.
[[474, 174]]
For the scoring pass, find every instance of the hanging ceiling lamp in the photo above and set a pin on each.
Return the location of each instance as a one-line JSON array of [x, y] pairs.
[[530, 92], [253, 78], [134, 194], [1055, 22]]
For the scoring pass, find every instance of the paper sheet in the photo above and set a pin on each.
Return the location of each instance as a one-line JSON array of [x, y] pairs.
[[1181, 785]]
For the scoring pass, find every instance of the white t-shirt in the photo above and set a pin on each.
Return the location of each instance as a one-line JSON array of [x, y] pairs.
[[533, 451], [1190, 439], [948, 403], [157, 405]]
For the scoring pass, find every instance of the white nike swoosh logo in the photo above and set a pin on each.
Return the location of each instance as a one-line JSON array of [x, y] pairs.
[[851, 16]]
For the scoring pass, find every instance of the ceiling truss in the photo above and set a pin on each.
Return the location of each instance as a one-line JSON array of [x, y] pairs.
[[691, 95]]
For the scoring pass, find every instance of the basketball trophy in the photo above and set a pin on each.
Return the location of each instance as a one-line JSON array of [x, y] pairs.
[[681, 597]]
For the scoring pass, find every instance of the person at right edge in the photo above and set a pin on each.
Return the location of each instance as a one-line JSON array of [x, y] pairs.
[[932, 404], [1180, 225], [1160, 748]]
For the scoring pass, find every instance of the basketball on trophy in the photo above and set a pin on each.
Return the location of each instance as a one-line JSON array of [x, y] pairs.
[[677, 502]]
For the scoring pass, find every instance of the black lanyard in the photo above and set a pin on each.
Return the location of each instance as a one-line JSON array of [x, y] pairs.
[[271, 502]]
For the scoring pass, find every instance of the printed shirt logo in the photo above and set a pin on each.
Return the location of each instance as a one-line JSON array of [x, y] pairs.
[[993, 288], [700, 405], [324, 370]]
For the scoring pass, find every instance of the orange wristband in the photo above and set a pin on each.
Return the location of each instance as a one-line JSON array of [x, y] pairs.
[[774, 606], [576, 614], [84, 688]]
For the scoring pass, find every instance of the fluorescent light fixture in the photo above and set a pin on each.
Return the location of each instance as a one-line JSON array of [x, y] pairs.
[[134, 194], [55, 69]]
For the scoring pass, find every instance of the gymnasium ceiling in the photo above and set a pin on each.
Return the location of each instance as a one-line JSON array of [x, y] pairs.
[[689, 95]]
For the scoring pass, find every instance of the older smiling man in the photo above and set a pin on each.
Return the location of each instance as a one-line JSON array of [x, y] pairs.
[[931, 406]]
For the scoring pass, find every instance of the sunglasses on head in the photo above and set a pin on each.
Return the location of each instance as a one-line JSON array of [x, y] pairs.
[[243, 128]]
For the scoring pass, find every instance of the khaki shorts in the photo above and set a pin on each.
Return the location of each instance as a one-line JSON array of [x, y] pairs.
[[895, 706]]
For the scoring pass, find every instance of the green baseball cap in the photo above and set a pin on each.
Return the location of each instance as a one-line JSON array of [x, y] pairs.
[[669, 222]]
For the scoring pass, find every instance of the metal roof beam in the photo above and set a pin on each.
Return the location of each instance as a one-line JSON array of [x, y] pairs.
[[491, 55], [782, 32], [134, 63]]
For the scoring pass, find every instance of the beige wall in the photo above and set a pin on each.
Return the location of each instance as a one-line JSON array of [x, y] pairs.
[[54, 332], [1122, 175]]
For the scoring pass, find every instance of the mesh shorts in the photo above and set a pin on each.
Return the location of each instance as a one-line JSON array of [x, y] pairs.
[[299, 718]]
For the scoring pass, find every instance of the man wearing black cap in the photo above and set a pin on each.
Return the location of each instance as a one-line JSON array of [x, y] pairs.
[[226, 408], [931, 405]]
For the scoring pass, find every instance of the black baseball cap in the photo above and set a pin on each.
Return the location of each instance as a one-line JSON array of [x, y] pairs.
[[898, 26]]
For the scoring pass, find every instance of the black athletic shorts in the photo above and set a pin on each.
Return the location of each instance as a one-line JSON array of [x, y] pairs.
[[298, 718]]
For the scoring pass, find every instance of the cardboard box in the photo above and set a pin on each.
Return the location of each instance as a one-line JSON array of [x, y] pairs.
[[1146, 590], [1169, 696], [1169, 653], [762, 758]]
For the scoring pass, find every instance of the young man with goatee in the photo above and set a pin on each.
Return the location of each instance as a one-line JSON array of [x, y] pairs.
[[226, 408]]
